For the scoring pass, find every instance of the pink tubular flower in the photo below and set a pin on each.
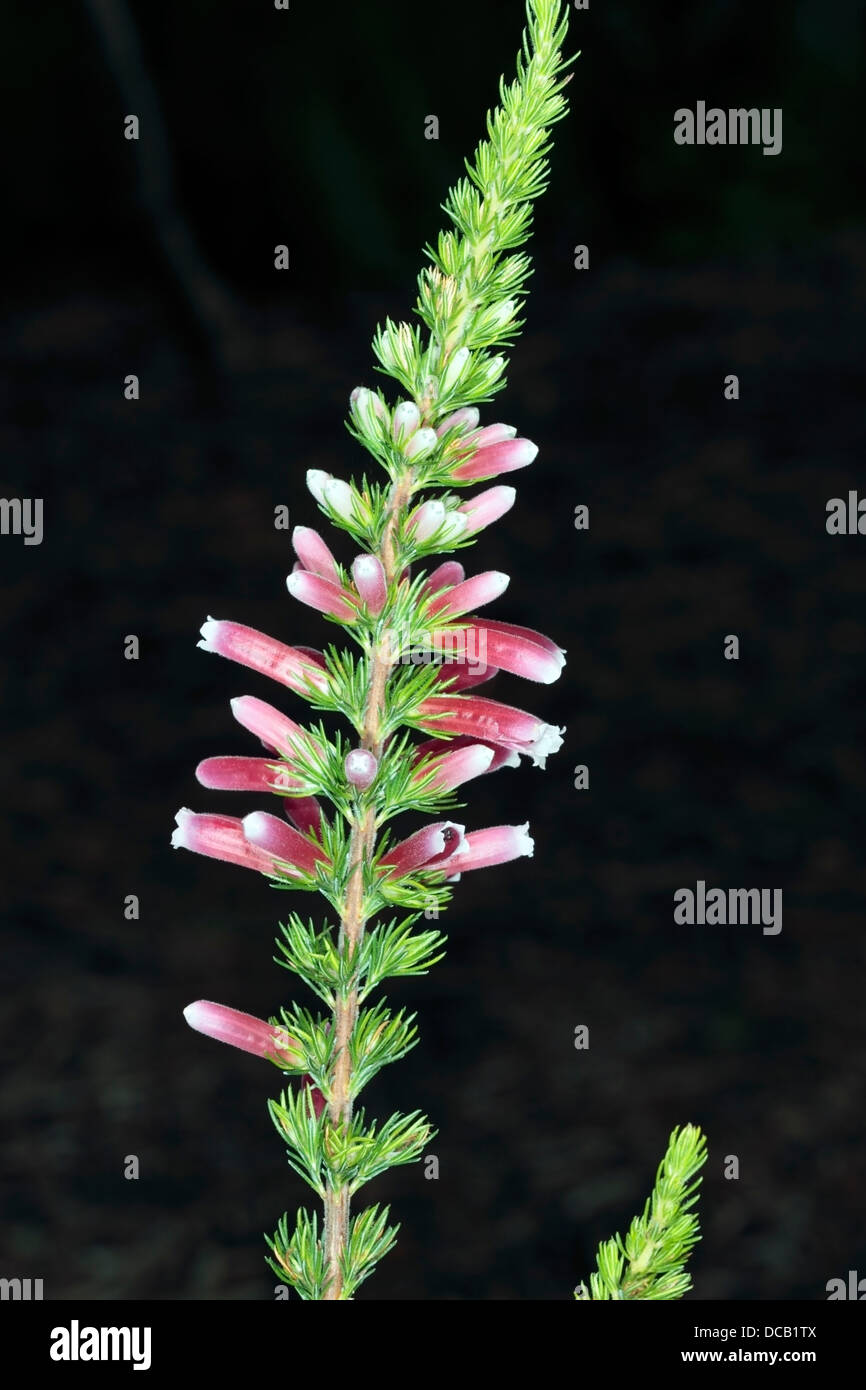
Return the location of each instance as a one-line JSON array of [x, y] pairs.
[[454, 766], [220, 837], [322, 594], [311, 654], [516, 649], [314, 554], [426, 849], [483, 438], [264, 654], [502, 456], [240, 1030], [274, 729], [491, 722], [304, 812], [499, 844], [249, 1034], [487, 507], [369, 576], [472, 593], [268, 833], [547, 643], [232, 774], [435, 747], [459, 674]]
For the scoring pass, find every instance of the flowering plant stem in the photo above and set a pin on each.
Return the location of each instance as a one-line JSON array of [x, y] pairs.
[[422, 649]]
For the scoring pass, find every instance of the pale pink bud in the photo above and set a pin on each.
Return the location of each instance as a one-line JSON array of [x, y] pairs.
[[467, 417], [263, 654], [444, 577], [472, 593], [244, 775], [283, 842], [455, 766], [250, 1034], [505, 457], [243, 1031], [322, 595], [220, 837], [491, 722], [406, 420], [487, 507], [427, 848], [360, 767], [314, 554], [369, 577], [499, 844]]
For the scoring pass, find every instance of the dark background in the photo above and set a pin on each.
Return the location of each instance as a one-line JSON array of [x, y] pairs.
[[707, 518]]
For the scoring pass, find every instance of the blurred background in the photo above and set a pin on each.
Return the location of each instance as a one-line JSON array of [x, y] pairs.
[[707, 517]]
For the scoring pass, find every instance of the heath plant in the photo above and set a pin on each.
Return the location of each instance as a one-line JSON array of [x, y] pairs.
[[404, 672]]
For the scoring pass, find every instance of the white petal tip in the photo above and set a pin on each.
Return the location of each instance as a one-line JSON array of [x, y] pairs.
[[482, 757], [525, 842], [179, 839], [548, 741], [316, 481]]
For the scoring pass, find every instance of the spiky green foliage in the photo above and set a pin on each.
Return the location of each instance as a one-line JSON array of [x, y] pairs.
[[651, 1262]]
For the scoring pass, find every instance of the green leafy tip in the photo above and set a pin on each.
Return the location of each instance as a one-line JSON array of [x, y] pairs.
[[650, 1262]]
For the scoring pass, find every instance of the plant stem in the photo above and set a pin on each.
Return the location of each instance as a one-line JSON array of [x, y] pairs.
[[337, 1199]]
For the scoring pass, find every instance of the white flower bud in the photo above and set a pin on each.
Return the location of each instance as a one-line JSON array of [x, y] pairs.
[[338, 496], [368, 411], [455, 369], [422, 442], [316, 481], [492, 370], [407, 418], [495, 317], [455, 526]]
